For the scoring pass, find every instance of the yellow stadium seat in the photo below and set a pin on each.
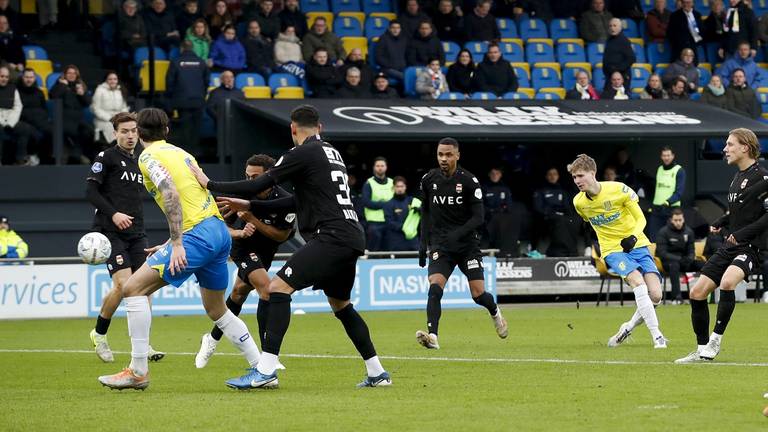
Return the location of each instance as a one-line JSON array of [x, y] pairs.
[[351, 42], [388, 15], [28, 6], [257, 92], [161, 69], [526, 66], [706, 66], [529, 91], [45, 92], [638, 41], [289, 93], [541, 40], [312, 16], [645, 66], [516, 41], [556, 90], [581, 65], [360, 16], [577, 41], [555, 66], [41, 67], [96, 7]]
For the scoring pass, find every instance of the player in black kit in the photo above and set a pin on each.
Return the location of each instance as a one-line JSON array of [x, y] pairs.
[[335, 240], [452, 214], [255, 241], [746, 220], [116, 189]]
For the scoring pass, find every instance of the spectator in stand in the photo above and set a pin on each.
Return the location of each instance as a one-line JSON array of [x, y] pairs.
[[743, 60], [381, 88], [654, 89], [220, 18], [669, 191], [657, 20], [481, 25], [762, 30], [78, 134], [714, 93], [356, 59], [515, 9], [567, 8], [377, 190], [684, 30], [161, 25], [552, 205], [322, 77], [609, 173], [11, 244], [411, 18], [626, 9], [291, 15], [449, 22], [616, 89], [187, 16], [741, 98], [460, 73], [676, 248], [683, 67], [14, 18], [431, 83], [186, 86], [740, 26], [109, 99], [390, 51], [494, 74], [133, 33], [502, 220], [624, 168], [320, 36], [267, 18], [424, 46], [288, 47], [220, 94], [34, 111], [12, 130], [583, 89], [713, 27], [11, 52], [200, 38], [618, 55], [352, 88], [47, 11], [227, 53], [594, 23], [396, 212], [677, 90], [258, 51]]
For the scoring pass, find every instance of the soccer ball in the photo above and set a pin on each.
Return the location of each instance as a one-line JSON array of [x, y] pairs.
[[94, 248]]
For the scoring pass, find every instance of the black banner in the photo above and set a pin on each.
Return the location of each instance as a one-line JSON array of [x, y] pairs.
[[545, 269]]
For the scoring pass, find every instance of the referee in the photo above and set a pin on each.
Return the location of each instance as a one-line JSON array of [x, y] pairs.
[[115, 188]]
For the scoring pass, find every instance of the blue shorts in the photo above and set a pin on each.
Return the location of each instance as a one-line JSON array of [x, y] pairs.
[[207, 247], [637, 259]]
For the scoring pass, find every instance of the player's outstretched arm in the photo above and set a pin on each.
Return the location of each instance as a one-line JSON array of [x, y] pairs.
[[242, 187], [266, 207]]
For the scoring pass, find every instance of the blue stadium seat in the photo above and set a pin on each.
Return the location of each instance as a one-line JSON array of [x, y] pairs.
[[569, 76], [569, 52], [639, 52], [452, 96], [712, 55], [658, 52], [409, 84], [347, 26], [512, 51], [760, 7], [249, 80], [38, 80], [507, 28], [523, 77], [547, 96], [314, 6], [647, 5], [515, 96], [142, 53], [660, 70], [704, 76], [714, 148], [51, 79], [539, 52], [451, 50], [598, 79], [371, 6], [639, 77], [483, 96], [533, 28], [215, 79], [478, 50], [173, 53], [282, 80], [630, 28], [762, 96], [595, 52], [546, 76], [34, 52], [344, 6], [563, 28], [375, 26], [672, 4], [372, 54]]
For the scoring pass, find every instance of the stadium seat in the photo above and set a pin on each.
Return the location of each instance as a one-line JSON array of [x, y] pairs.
[[658, 52], [215, 79], [173, 53], [638, 46], [289, 92], [595, 52], [533, 28], [539, 51], [478, 49], [51, 79], [568, 52], [640, 75], [259, 92], [512, 50], [39, 81], [546, 75], [375, 26], [370, 6], [452, 96], [563, 28], [647, 5], [518, 95], [372, 55], [41, 67], [704, 76], [345, 5], [307, 6], [598, 79], [660, 68], [507, 28], [762, 96], [246, 79], [547, 96], [570, 71], [351, 43], [712, 55], [483, 96], [312, 16], [282, 80], [388, 15], [451, 50], [409, 80], [560, 92], [530, 92], [161, 69], [695, 96], [523, 74], [34, 52], [630, 29], [142, 53], [760, 7], [347, 26], [359, 16]]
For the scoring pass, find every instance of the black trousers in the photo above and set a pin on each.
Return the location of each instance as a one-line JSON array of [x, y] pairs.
[[674, 268], [19, 135], [188, 130]]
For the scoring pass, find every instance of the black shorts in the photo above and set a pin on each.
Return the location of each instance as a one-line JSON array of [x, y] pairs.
[[324, 266], [743, 257], [249, 263], [127, 251], [471, 264]]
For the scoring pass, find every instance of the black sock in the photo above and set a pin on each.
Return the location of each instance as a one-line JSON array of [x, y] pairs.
[[357, 331], [277, 322], [433, 307], [700, 320], [724, 310], [102, 325], [486, 300], [235, 307], [261, 317]]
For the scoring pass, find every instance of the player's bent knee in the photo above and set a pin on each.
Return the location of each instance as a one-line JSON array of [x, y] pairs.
[[277, 285], [437, 279]]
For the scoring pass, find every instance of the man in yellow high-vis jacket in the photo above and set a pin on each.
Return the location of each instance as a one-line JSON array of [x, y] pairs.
[[11, 244], [377, 190]]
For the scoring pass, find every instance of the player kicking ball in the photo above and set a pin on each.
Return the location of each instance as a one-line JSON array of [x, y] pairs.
[[746, 220], [452, 214], [613, 211], [199, 244]]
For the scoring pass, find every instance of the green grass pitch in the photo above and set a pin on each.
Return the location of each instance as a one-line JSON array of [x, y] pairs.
[[553, 373]]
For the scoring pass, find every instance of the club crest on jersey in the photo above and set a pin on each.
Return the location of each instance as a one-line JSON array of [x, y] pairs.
[[254, 257], [288, 272], [607, 205], [434, 186], [435, 256], [119, 260], [96, 167], [744, 183], [459, 188], [243, 265]]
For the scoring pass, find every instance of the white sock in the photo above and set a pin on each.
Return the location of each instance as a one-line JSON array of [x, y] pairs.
[[374, 367], [268, 363], [646, 310], [700, 347], [139, 321], [636, 320], [237, 332], [715, 337]]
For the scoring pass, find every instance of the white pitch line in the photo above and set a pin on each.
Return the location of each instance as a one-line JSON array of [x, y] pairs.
[[407, 358]]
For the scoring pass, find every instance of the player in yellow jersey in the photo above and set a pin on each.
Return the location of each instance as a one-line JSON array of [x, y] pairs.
[[612, 210], [199, 244]]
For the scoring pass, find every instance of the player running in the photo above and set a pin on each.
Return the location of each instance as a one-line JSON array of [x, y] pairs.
[[254, 244], [613, 211], [115, 188], [199, 244], [746, 220], [452, 214], [335, 240]]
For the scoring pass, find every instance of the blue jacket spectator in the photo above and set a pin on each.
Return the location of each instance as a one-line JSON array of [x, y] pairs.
[[743, 60], [390, 51], [227, 52]]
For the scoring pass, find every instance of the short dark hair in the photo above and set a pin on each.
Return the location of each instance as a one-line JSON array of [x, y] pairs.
[[449, 141], [28, 69], [394, 21], [666, 148], [399, 179], [261, 160], [380, 158], [305, 116], [122, 117], [738, 70], [318, 49], [676, 211], [153, 124]]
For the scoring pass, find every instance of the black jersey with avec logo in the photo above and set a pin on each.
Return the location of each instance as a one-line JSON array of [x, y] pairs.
[[122, 185], [747, 218], [454, 208], [258, 243]]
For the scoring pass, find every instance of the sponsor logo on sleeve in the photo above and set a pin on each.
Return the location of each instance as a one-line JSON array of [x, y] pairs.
[[96, 167]]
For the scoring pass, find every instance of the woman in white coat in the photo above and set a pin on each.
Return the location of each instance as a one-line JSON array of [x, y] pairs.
[[108, 100]]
